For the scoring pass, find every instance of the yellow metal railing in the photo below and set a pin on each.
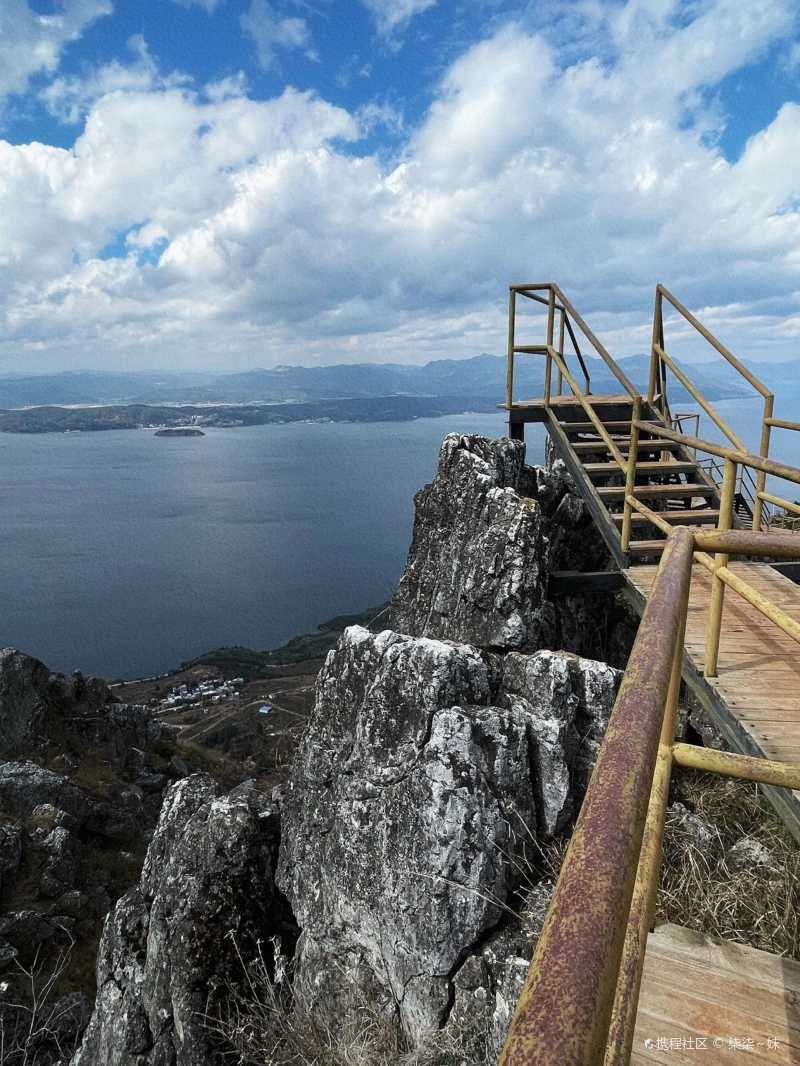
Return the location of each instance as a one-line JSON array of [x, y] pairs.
[[748, 543], [569, 321], [657, 394], [579, 1003]]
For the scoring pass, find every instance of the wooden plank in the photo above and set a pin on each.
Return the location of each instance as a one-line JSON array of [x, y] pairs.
[[692, 517], [617, 492], [697, 990], [665, 469], [608, 530], [584, 446], [755, 700]]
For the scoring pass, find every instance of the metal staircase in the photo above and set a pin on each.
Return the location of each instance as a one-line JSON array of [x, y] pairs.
[[671, 481], [656, 499], [635, 466]]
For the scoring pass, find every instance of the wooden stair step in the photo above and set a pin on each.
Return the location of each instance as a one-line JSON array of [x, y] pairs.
[[623, 443], [617, 492], [646, 547], [694, 517], [588, 427], [665, 469]]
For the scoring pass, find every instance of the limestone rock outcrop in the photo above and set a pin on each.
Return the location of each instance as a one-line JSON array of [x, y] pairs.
[[413, 803], [488, 530], [38, 709], [169, 947]]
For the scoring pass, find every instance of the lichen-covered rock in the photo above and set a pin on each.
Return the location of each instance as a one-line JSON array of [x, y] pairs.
[[412, 797], [24, 786], [474, 571], [401, 815], [748, 854], [567, 701], [37, 707], [487, 532], [23, 685], [169, 947], [703, 835], [61, 853], [10, 852], [486, 989]]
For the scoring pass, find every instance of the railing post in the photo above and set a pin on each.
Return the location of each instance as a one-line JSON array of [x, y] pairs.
[[561, 347], [727, 498], [658, 338], [551, 318], [630, 474], [512, 298], [761, 477]]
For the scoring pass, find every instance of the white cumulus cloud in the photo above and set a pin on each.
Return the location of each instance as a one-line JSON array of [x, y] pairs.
[[32, 43], [270, 32], [256, 230], [70, 98]]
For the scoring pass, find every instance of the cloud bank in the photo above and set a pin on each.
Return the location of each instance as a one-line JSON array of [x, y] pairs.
[[188, 227]]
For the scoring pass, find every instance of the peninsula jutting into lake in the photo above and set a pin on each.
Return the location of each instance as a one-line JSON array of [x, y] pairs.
[[180, 431]]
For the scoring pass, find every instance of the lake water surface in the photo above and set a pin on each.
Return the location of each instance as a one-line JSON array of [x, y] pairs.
[[124, 554]]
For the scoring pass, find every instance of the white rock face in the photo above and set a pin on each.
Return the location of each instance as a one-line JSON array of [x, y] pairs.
[[412, 800], [166, 949], [487, 532]]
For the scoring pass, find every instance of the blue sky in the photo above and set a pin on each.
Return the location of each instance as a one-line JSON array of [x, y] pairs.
[[235, 183]]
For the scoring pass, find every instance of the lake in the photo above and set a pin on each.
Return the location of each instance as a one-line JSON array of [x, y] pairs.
[[124, 554]]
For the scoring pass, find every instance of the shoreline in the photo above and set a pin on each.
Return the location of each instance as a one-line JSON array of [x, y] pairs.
[[98, 419], [237, 660]]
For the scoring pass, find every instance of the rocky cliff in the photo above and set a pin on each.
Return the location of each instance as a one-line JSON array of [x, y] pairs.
[[81, 784], [403, 868], [488, 532]]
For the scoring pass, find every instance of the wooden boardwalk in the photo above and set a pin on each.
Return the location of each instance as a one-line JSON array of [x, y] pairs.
[[755, 700], [704, 1001]]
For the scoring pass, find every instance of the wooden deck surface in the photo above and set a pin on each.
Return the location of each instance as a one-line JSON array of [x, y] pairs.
[[759, 666], [703, 1001]]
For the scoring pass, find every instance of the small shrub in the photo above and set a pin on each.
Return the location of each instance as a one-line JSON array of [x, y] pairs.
[[36, 1028]]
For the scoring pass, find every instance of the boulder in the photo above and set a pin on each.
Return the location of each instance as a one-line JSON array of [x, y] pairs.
[[10, 852], [37, 708], [24, 787], [172, 943], [419, 783], [703, 836], [748, 853], [567, 701], [23, 705]]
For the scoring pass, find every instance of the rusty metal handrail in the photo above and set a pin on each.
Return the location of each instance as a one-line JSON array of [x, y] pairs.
[[564, 1013], [579, 1003]]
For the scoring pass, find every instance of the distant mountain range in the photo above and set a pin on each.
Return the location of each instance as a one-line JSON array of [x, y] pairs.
[[482, 375]]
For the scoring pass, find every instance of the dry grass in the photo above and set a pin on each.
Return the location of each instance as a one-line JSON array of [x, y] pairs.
[[757, 905], [268, 1021], [272, 1023]]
